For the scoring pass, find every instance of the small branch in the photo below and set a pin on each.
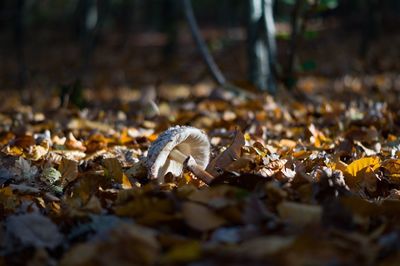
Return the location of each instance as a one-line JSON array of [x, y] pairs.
[[212, 66]]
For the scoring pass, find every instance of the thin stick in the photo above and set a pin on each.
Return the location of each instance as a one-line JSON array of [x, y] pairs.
[[194, 28]]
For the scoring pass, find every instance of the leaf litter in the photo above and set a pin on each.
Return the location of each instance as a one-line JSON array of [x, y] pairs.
[[294, 183]]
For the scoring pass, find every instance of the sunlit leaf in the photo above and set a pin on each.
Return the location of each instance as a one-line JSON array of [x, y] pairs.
[[356, 166]]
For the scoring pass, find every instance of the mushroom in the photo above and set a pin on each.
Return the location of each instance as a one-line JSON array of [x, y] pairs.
[[177, 148]]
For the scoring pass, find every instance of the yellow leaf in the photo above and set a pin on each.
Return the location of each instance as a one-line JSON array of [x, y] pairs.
[[126, 184], [355, 167], [13, 151], [338, 165], [361, 171]]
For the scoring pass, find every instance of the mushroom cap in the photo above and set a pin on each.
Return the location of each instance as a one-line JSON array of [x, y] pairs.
[[188, 140]]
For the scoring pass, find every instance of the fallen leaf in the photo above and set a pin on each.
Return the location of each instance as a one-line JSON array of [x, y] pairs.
[[73, 144], [23, 169], [300, 214], [128, 244], [392, 170], [79, 123], [200, 217], [69, 171], [355, 172], [32, 230], [261, 247], [24, 189], [5, 175], [355, 167], [113, 169], [231, 154], [50, 175], [183, 253], [37, 152], [244, 180]]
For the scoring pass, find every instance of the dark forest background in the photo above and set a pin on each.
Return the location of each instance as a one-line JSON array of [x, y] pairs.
[[129, 44]]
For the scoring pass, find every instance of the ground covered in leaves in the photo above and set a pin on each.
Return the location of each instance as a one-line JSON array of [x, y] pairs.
[[312, 181]]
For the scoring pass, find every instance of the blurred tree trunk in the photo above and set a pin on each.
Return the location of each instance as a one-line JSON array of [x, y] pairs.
[[262, 45], [295, 23]]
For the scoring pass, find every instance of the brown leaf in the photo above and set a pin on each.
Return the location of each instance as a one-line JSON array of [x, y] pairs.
[[128, 244], [244, 180], [392, 170], [231, 154], [69, 171], [261, 247], [113, 169], [300, 214], [200, 217]]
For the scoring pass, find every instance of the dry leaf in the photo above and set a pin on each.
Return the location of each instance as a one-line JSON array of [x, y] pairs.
[[32, 230], [73, 144], [392, 170], [300, 214], [24, 170], [262, 247], [69, 171], [231, 154], [355, 172], [183, 253], [128, 244], [113, 169], [200, 217]]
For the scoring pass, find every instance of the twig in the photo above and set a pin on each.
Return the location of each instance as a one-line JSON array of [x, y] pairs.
[[204, 51], [212, 66]]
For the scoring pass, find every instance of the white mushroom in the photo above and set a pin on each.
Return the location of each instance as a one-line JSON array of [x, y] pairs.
[[170, 150]]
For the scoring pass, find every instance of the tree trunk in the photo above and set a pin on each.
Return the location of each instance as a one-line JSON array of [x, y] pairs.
[[262, 45]]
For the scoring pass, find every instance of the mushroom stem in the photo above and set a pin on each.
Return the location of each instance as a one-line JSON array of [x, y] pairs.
[[178, 156], [193, 167], [190, 163]]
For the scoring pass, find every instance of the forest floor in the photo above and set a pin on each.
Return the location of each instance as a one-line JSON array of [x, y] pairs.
[[311, 179]]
